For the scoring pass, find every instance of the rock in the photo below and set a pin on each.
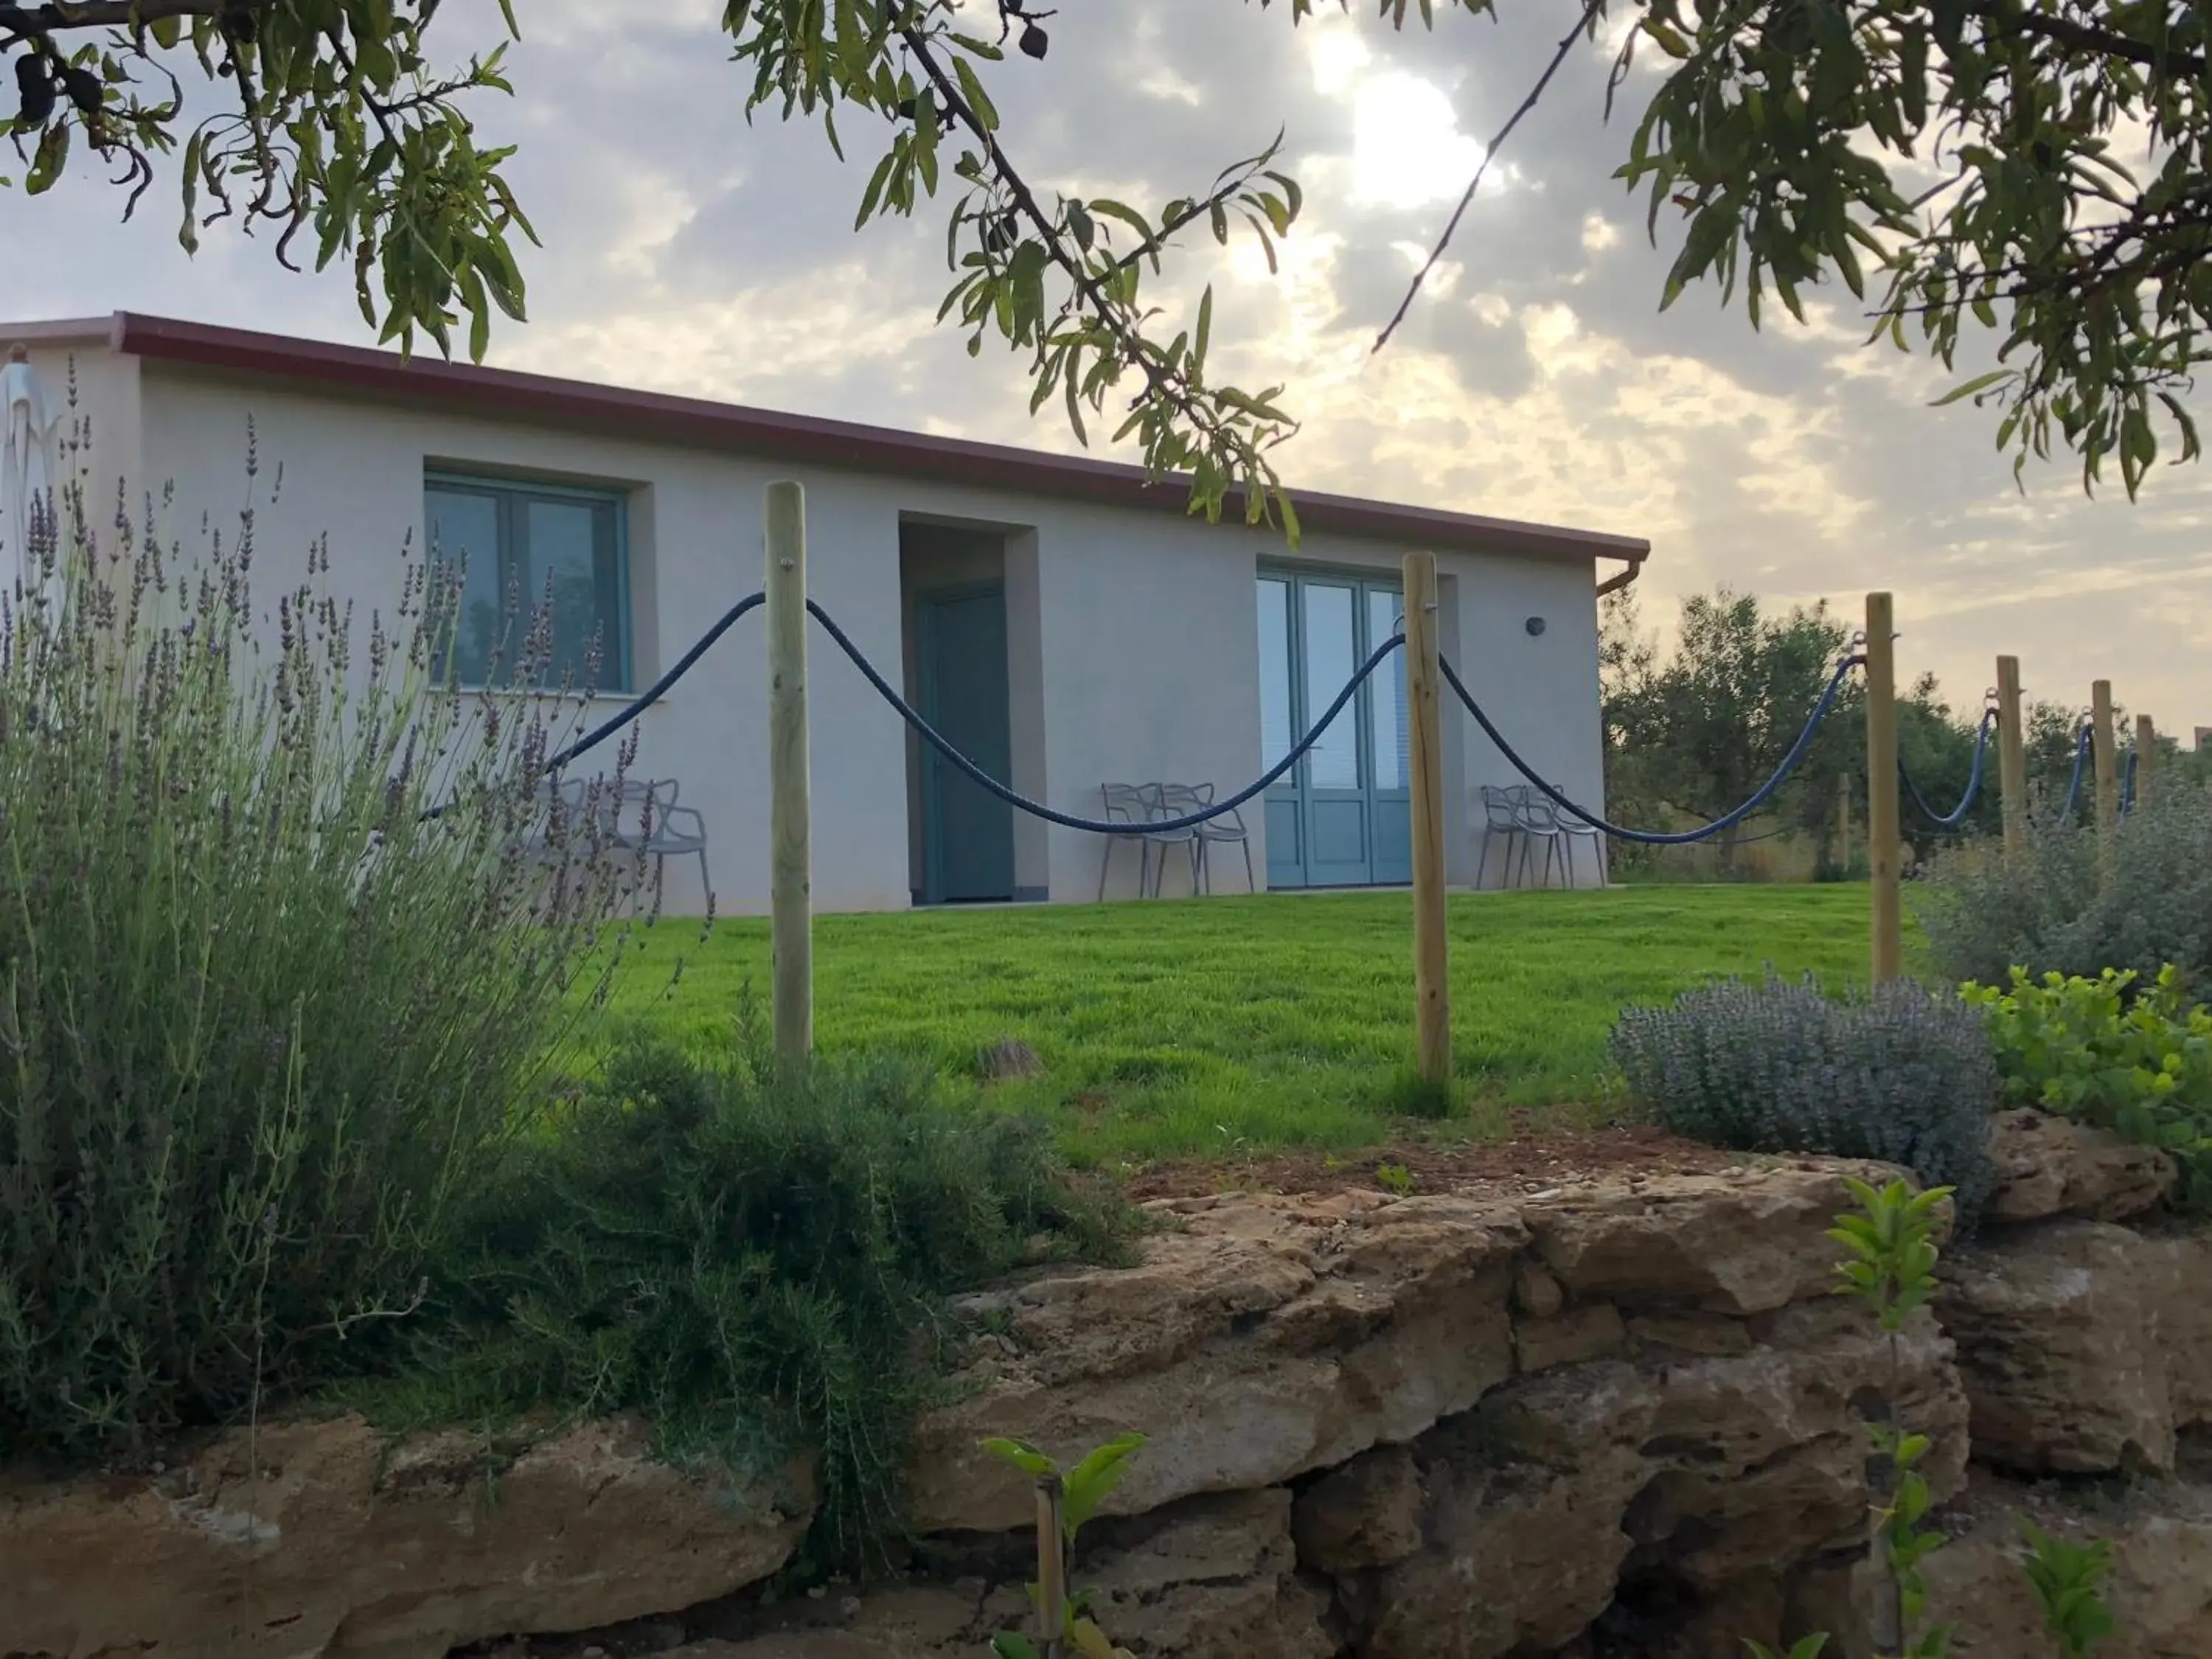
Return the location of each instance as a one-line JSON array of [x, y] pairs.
[[1758, 1461], [1536, 1292], [344, 1546], [1211, 1578], [1268, 1338], [1525, 1500], [1719, 1473], [1748, 1241], [1215, 1579], [1708, 1334], [1589, 1332], [2048, 1165], [2159, 1587], [2061, 1348], [1009, 1059], [1274, 1336], [913, 1621], [2182, 1264], [1367, 1514], [1752, 1610]]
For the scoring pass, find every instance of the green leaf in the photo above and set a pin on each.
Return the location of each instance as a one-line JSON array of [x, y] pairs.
[[1969, 388], [1090, 1481], [873, 193], [1022, 1454], [972, 93], [189, 233], [1712, 230], [1025, 278], [51, 157], [1108, 207]]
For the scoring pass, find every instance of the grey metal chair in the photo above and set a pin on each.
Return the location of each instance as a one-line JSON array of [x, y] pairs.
[[1173, 800], [1124, 804], [1497, 819], [1572, 829], [1226, 831], [649, 824], [1538, 820], [1179, 800]]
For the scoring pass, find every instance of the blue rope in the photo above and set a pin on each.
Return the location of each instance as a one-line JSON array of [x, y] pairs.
[[1651, 838], [939, 742], [654, 693], [637, 705], [1957, 815], [2074, 784]]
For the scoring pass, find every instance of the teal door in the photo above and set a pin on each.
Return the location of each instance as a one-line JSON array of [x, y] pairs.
[[1342, 817], [968, 833]]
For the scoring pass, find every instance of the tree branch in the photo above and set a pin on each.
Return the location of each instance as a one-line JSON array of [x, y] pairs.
[[1131, 341], [2086, 38], [103, 13], [1590, 9]]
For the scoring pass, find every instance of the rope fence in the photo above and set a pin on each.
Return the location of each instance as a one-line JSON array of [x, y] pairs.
[[2119, 783], [1759, 798]]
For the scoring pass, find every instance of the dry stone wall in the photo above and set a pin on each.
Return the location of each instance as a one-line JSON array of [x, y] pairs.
[[1619, 1418]]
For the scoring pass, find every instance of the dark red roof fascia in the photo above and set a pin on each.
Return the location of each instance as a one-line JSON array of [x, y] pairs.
[[807, 440]]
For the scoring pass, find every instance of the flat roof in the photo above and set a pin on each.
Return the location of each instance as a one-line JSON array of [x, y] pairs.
[[801, 439]]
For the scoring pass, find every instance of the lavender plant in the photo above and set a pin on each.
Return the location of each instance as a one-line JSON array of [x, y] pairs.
[[262, 1018], [1897, 1074]]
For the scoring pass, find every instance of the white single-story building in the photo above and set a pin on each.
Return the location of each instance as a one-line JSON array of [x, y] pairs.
[[1063, 620]]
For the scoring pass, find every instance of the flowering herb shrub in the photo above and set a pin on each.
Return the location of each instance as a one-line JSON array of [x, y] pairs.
[[1898, 1074], [262, 1016]]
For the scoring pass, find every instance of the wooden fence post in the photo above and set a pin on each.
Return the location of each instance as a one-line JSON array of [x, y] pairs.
[[1885, 836], [2012, 757], [791, 898], [2108, 764], [1052, 1566], [1431, 984], [2146, 757], [1843, 827]]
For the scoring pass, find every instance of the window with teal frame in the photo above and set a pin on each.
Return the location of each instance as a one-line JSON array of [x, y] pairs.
[[522, 550]]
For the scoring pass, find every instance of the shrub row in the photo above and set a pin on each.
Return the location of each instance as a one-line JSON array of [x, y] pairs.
[[288, 935]]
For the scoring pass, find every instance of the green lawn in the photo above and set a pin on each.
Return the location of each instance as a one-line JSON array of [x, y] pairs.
[[1175, 1029]]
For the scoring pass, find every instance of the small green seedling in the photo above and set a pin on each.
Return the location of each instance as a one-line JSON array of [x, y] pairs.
[[1073, 1495], [2067, 1577], [1394, 1178], [1889, 1268], [1810, 1647]]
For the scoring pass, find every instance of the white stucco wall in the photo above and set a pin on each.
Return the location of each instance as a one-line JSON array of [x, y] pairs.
[[1143, 662], [95, 394], [1152, 666]]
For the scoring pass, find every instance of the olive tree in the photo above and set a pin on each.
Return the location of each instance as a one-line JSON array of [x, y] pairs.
[[1954, 165]]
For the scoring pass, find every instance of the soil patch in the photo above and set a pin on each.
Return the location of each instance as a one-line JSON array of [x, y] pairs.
[[1519, 1163]]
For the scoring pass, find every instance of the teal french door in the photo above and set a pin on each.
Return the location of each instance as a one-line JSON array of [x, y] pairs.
[[1343, 816], [968, 833]]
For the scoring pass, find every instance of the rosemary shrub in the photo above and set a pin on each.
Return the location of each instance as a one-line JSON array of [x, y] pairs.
[[757, 1257]]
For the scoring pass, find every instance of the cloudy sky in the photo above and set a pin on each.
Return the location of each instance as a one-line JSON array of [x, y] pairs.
[[687, 251]]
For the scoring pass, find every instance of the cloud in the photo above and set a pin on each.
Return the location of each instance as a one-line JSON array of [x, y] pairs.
[[687, 249]]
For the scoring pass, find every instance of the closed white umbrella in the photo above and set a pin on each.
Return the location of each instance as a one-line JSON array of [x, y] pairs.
[[30, 472]]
